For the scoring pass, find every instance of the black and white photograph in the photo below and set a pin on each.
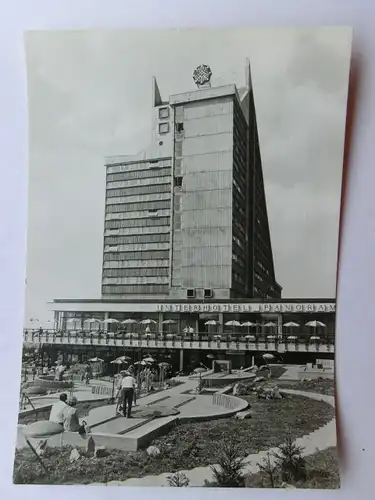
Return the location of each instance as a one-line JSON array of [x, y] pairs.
[[182, 246]]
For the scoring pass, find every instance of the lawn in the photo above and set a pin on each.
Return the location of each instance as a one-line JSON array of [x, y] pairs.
[[319, 385], [322, 473], [185, 445]]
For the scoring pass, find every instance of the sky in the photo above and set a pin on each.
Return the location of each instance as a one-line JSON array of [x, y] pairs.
[[89, 96]]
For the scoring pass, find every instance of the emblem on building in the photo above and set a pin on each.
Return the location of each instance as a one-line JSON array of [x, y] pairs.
[[202, 75]]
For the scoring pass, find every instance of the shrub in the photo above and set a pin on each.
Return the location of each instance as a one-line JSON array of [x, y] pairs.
[[290, 461], [229, 474], [179, 480], [268, 469]]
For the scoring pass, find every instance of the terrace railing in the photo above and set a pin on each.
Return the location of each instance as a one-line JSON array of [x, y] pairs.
[[203, 340]]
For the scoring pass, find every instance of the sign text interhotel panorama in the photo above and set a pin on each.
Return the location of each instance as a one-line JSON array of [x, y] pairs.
[[275, 307]]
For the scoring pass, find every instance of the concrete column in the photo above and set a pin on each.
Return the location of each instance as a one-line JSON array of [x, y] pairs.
[[221, 320], [181, 360], [106, 316], [252, 360], [160, 322], [279, 325]]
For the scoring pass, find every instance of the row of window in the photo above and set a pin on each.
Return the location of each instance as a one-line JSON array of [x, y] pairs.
[[136, 190], [238, 259], [137, 167], [136, 271], [138, 206], [148, 222], [136, 238], [262, 267], [139, 174], [237, 277], [137, 255], [135, 289], [239, 242]]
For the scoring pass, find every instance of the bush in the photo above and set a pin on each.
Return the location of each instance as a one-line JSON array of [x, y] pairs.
[[178, 480], [290, 461], [229, 474]]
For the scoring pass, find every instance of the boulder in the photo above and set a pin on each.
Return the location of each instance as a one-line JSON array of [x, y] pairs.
[[243, 415], [74, 455], [153, 451], [100, 451]]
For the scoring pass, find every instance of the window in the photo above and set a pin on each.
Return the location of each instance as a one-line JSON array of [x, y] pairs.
[[208, 293], [178, 181], [163, 113], [163, 128], [179, 127], [190, 293]]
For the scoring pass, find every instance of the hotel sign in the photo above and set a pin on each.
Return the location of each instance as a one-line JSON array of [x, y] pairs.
[[247, 308]]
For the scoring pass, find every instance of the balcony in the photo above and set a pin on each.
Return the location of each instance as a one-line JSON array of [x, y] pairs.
[[223, 342]]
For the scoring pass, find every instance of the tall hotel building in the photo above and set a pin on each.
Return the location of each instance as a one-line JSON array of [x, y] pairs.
[[187, 219], [187, 253]]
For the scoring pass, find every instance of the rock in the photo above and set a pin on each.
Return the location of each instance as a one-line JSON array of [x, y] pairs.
[[100, 452], [74, 455], [153, 451], [243, 415], [90, 447], [288, 486]]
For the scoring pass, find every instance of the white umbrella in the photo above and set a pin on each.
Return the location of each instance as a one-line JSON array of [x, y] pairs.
[[248, 324], [250, 337], [111, 320], [142, 363], [171, 335], [96, 360], [129, 321], [169, 322], [212, 322], [148, 322], [291, 324], [314, 337], [271, 337], [292, 337], [149, 360], [124, 359], [269, 324], [315, 324], [268, 355], [233, 323]]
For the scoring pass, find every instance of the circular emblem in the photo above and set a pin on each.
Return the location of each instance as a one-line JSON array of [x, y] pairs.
[[202, 74]]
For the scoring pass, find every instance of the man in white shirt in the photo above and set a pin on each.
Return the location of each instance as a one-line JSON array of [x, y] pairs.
[[58, 410], [127, 386]]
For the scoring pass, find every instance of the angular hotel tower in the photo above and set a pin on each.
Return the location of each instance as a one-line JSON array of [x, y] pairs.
[[187, 218]]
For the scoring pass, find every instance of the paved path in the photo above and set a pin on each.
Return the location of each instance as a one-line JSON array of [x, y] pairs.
[[322, 438]]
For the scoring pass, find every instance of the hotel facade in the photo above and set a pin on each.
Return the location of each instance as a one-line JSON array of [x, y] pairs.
[[187, 245]]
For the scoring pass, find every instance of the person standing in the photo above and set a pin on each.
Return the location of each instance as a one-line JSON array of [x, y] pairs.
[[119, 395], [127, 386]]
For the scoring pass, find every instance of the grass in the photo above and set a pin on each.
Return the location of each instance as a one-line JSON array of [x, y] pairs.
[[185, 445], [320, 385], [322, 473]]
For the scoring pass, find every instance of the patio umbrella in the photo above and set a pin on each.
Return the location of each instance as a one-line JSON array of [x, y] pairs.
[[149, 360], [248, 324], [169, 322], [142, 363], [250, 337], [148, 322], [315, 324], [210, 323], [96, 360], [291, 325], [270, 324], [217, 337], [171, 335], [270, 337], [210, 356], [124, 359], [292, 337], [73, 321], [314, 337], [110, 321], [129, 321], [268, 356], [200, 370]]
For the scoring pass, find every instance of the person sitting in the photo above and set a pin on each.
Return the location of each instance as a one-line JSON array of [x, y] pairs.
[[71, 418], [58, 410]]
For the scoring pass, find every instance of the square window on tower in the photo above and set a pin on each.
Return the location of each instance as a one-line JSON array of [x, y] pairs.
[[163, 128], [179, 127], [163, 113]]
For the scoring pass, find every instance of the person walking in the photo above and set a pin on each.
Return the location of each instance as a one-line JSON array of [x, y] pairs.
[[127, 386]]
